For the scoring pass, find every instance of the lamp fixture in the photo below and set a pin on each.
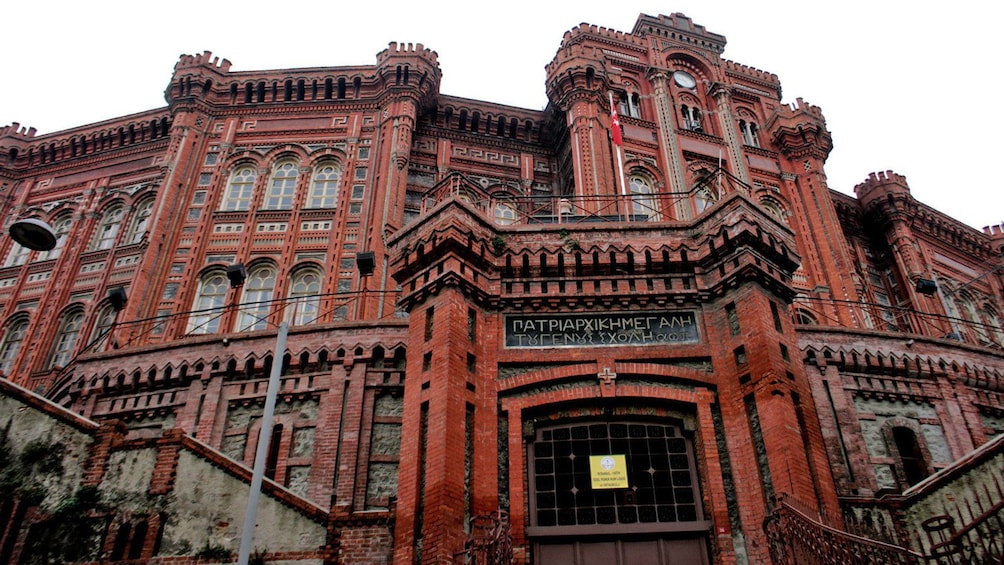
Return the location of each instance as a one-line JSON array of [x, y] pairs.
[[33, 234]]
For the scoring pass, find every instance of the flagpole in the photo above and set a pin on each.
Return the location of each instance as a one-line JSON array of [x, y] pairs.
[[615, 123]]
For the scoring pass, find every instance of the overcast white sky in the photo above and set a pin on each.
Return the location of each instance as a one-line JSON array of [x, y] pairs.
[[902, 87]]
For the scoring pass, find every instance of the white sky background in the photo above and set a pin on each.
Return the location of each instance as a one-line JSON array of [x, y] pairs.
[[902, 87]]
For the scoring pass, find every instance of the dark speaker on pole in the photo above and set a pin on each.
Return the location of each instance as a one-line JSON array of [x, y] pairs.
[[236, 274], [365, 262], [117, 297], [926, 286]]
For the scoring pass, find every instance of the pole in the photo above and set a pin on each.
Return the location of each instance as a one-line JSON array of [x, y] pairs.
[[620, 168], [264, 438]]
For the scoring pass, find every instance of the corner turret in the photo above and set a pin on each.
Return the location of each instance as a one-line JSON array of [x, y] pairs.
[[881, 187], [194, 76], [410, 67], [579, 70], [996, 233], [13, 140], [799, 131]]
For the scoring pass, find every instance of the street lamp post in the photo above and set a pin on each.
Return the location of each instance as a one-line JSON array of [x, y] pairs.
[[264, 438]]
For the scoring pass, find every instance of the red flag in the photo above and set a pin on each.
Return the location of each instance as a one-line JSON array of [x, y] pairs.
[[615, 125]]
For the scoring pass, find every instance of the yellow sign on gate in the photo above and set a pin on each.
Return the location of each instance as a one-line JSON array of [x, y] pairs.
[[608, 471]]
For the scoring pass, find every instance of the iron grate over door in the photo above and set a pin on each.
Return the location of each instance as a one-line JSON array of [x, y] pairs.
[[662, 492]]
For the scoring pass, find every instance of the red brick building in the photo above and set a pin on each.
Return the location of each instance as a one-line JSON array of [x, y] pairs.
[[601, 344]]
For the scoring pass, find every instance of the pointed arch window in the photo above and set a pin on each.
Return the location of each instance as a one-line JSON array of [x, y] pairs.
[[208, 305], [629, 104], [749, 132], [324, 187], [102, 327], [305, 292], [11, 344], [691, 118], [969, 312], [66, 338], [62, 228], [643, 204], [257, 298], [994, 322], [240, 189], [282, 187], [108, 229], [140, 221]]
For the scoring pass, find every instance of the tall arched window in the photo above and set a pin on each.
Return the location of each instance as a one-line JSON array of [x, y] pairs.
[[305, 292], [17, 255], [240, 189], [108, 229], [749, 133], [691, 118], [11, 344], [629, 105], [968, 309], [324, 187], [102, 327], [257, 298], [66, 339], [282, 187], [911, 456], [140, 221], [994, 322], [62, 228], [208, 305], [642, 202]]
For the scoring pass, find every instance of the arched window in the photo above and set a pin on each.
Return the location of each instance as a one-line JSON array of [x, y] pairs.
[[642, 202], [66, 339], [17, 255], [505, 213], [61, 227], [305, 292], [911, 456], [108, 229], [994, 322], [704, 198], [11, 343], [324, 187], [968, 309], [239, 189], [208, 305], [140, 221], [749, 133], [282, 187], [635, 105], [257, 298], [102, 327], [804, 317], [773, 208], [691, 118]]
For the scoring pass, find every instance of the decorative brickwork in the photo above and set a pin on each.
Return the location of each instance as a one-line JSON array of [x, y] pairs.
[[461, 278]]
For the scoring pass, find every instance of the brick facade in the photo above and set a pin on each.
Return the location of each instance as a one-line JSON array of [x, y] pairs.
[[463, 279]]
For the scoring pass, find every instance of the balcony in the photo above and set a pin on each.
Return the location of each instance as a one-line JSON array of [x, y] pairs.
[[822, 312]]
